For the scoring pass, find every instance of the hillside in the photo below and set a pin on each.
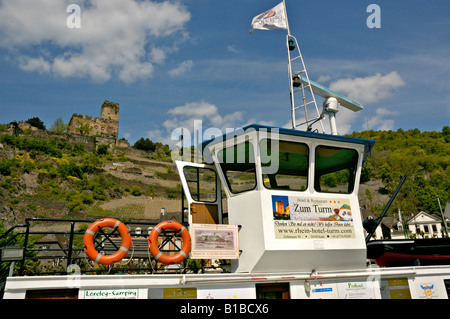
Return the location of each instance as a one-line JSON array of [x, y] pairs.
[[424, 157], [53, 178]]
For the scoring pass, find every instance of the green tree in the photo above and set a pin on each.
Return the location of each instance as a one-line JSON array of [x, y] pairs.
[[36, 122], [446, 132], [58, 126], [83, 128], [144, 144], [102, 150], [366, 171]]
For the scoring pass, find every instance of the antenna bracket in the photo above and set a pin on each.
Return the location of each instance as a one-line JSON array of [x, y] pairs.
[[330, 108]]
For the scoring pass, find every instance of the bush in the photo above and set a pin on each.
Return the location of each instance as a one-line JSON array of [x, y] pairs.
[[77, 201], [102, 150], [91, 165], [144, 144], [27, 166], [136, 191], [77, 149], [5, 168], [29, 144], [99, 193], [7, 184], [70, 169], [7, 139], [76, 205]]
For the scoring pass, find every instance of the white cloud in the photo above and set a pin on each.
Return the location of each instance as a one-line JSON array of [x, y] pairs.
[[184, 116], [370, 89], [183, 67], [382, 121], [113, 39], [157, 55], [34, 64], [232, 48], [207, 116], [323, 78]]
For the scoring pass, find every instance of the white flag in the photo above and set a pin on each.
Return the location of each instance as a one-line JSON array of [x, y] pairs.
[[274, 18]]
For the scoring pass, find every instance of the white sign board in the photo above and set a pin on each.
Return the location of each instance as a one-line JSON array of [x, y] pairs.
[[211, 241], [356, 290], [111, 294]]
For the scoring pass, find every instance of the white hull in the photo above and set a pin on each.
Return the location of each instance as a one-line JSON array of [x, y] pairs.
[[431, 282]]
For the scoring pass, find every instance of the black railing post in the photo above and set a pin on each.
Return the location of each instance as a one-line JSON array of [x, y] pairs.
[[25, 244], [69, 254]]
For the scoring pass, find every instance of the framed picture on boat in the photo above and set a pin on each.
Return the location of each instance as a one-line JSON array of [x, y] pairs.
[[214, 241]]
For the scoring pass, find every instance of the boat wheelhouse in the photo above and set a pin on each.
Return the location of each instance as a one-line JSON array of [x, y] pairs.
[[294, 195]]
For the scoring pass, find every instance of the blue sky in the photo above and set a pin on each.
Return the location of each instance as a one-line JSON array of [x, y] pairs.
[[168, 63]]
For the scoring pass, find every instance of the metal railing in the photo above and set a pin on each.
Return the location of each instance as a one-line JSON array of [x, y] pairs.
[[66, 248]]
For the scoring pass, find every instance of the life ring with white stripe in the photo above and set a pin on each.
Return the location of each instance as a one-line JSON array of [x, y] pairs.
[[88, 241], [153, 242]]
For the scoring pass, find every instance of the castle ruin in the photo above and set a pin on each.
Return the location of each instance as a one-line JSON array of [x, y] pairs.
[[107, 126]]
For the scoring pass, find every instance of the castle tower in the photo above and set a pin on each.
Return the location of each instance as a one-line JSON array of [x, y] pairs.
[[109, 116], [110, 111]]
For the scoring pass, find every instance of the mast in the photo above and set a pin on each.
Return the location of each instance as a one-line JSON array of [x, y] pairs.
[[294, 82]]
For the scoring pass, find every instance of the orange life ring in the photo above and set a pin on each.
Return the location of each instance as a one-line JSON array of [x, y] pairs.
[[153, 243], [88, 241]]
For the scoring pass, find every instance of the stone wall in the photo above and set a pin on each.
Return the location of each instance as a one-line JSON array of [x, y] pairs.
[[89, 142]]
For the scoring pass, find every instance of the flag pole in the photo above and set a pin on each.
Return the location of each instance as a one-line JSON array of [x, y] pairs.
[[291, 91], [287, 22]]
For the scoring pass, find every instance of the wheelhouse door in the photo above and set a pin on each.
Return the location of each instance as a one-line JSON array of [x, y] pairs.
[[202, 189]]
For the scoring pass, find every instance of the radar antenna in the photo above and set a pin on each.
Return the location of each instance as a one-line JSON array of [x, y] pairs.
[[331, 102]]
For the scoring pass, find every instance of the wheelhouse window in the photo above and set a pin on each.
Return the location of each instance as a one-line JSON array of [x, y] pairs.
[[238, 166], [201, 183], [335, 169], [284, 164]]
